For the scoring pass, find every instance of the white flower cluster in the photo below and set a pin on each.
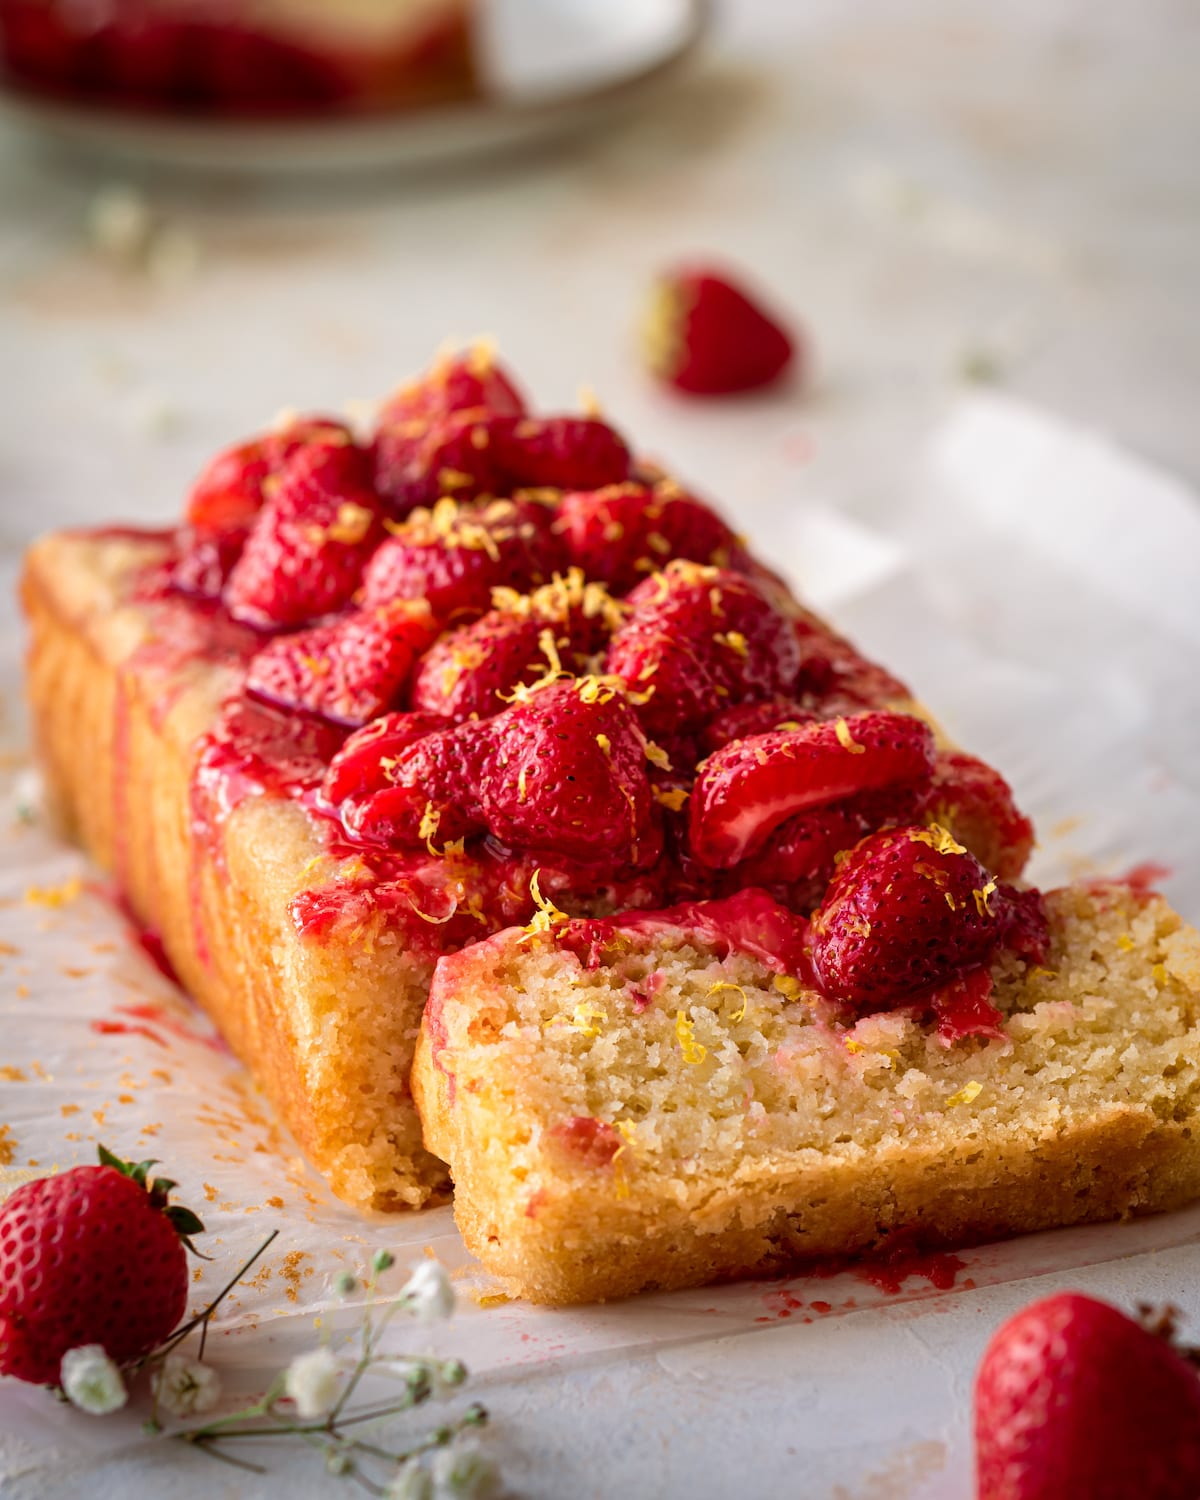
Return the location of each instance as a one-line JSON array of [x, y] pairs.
[[91, 1381], [460, 1471]]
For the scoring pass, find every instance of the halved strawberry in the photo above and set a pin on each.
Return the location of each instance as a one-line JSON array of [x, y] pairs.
[[912, 909], [455, 555], [750, 786], [428, 791], [699, 639], [350, 671], [305, 555], [364, 761], [706, 336], [624, 532]]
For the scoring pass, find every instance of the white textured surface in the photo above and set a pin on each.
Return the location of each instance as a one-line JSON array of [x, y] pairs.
[[918, 185]]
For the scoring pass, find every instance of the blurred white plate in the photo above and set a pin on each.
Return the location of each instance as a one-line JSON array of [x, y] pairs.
[[549, 67]]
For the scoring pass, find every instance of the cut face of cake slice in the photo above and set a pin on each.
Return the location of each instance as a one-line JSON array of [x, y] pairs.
[[659, 1101]]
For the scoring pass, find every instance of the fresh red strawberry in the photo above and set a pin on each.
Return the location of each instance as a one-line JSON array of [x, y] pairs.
[[976, 803], [567, 774], [428, 793], [577, 453], [229, 493], [706, 336], [350, 671], [1076, 1401], [363, 762], [455, 555], [470, 381], [305, 555], [94, 1255], [698, 639], [624, 532], [419, 462], [751, 786], [911, 909]]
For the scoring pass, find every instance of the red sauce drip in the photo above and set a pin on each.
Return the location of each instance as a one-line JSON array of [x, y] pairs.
[[127, 1028], [940, 1268], [964, 1008], [749, 922], [149, 1011]]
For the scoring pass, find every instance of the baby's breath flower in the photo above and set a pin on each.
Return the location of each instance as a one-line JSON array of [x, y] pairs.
[[91, 1381], [412, 1482], [345, 1284], [463, 1472], [312, 1381], [382, 1260], [184, 1385], [427, 1293]]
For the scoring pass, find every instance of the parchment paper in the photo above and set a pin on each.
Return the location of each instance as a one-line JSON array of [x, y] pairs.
[[1038, 588]]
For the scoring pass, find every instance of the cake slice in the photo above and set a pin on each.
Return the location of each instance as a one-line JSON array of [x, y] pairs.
[[658, 1101]]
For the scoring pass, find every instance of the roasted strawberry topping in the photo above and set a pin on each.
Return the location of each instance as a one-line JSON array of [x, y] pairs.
[[538, 639], [624, 532], [698, 640], [455, 555], [751, 786], [305, 555], [350, 671], [912, 909]]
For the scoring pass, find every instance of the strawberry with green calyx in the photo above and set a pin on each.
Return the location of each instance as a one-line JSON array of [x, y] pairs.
[[94, 1255]]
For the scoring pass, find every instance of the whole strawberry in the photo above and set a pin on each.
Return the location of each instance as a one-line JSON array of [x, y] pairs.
[[1074, 1399], [706, 336], [90, 1256]]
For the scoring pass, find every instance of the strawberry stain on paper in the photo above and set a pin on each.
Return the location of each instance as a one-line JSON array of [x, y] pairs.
[[1145, 878]]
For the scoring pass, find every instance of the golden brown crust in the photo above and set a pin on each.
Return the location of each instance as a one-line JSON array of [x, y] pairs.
[[1052, 1138], [327, 1030]]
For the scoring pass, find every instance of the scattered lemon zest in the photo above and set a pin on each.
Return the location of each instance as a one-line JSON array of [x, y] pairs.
[[724, 984], [1125, 943], [937, 838], [1160, 974], [983, 897], [351, 524], [605, 743], [657, 756], [628, 1132], [55, 895], [694, 1052], [951, 902], [583, 1018], [522, 789], [547, 917], [789, 987], [430, 819], [491, 1299], [846, 740], [673, 799], [966, 1094], [733, 640]]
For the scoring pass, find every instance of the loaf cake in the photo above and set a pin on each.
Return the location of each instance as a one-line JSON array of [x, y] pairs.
[[250, 58], [460, 692]]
